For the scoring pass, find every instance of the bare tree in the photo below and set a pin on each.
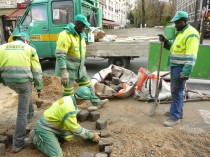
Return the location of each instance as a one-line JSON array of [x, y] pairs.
[[143, 13], [151, 12]]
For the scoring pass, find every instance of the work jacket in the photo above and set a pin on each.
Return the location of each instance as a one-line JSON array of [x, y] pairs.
[[19, 63], [70, 52], [184, 49], [61, 119]]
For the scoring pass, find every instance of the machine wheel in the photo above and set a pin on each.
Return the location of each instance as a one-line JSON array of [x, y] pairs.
[[120, 61]]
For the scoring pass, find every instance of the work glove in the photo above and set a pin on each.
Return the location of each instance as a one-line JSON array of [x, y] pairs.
[[162, 38], [95, 137], [182, 77], [64, 77]]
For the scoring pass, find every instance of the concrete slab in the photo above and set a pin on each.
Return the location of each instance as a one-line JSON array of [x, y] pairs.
[[205, 115]]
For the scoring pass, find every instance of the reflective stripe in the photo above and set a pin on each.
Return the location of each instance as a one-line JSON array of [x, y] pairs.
[[183, 56], [46, 123], [86, 134], [66, 93], [60, 51], [182, 62], [76, 59], [87, 83], [74, 101], [37, 76], [68, 115], [69, 89], [15, 68], [191, 36], [16, 75], [42, 122], [69, 63]]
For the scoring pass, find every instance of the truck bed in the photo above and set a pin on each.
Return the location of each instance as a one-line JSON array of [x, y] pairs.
[[131, 49]]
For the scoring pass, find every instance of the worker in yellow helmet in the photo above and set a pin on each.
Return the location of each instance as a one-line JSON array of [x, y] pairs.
[[183, 55], [60, 122], [19, 67], [70, 58]]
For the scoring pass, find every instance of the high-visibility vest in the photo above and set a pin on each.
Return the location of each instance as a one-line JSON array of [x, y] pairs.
[[19, 62]]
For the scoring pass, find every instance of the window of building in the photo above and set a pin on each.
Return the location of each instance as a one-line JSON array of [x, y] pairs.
[[62, 12]]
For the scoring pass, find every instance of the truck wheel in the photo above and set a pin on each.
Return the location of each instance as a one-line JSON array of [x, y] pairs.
[[120, 61]]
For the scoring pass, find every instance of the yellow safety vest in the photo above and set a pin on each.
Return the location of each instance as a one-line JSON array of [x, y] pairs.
[[19, 62], [184, 49]]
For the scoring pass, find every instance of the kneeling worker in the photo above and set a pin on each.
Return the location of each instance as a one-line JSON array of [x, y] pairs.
[[60, 122]]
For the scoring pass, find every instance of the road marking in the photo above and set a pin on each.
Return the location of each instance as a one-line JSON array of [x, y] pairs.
[[205, 115]]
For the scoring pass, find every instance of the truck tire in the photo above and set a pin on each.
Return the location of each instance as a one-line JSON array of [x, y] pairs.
[[120, 61]]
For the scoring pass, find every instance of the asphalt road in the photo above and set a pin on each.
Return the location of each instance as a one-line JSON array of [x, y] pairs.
[[94, 65]]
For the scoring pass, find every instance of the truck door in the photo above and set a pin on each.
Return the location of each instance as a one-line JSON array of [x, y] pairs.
[[61, 14], [37, 26]]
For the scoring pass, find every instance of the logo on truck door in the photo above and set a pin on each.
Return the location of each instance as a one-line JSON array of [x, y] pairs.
[[36, 37]]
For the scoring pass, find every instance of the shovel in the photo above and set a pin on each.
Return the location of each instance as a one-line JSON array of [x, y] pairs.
[[39, 102], [156, 103]]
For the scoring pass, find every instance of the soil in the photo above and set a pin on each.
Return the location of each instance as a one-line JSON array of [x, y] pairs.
[[135, 134]]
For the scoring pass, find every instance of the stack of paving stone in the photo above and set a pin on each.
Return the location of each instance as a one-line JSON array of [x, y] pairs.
[[92, 115], [5, 141], [105, 142], [105, 146]]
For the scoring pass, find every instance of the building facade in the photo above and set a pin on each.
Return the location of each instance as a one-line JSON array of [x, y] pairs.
[[9, 11], [115, 12]]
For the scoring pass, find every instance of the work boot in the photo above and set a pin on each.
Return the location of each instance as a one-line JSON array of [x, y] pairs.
[[171, 122], [168, 114], [18, 149], [31, 117], [101, 103], [29, 139]]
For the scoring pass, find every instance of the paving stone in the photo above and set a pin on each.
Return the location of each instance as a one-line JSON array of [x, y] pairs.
[[101, 123], [2, 149], [82, 115], [87, 154], [108, 150], [9, 134], [101, 155], [104, 133], [92, 108], [94, 116], [105, 142], [5, 140]]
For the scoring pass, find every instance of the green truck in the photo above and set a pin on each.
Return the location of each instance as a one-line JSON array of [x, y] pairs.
[[44, 19]]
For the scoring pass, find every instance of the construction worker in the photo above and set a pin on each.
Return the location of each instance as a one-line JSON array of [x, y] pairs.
[[183, 54], [70, 58], [59, 122], [19, 67]]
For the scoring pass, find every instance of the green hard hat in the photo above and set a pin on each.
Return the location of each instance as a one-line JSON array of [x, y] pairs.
[[83, 92], [22, 34], [82, 18], [179, 15]]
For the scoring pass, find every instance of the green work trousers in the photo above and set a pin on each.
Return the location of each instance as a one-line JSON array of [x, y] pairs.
[[47, 142]]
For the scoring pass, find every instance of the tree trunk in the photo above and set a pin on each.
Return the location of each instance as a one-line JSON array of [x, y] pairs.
[[143, 13]]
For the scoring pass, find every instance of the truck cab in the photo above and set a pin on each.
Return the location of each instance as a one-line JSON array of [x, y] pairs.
[[44, 19]]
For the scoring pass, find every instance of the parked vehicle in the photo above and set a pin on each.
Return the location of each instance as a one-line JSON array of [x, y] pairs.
[[44, 19]]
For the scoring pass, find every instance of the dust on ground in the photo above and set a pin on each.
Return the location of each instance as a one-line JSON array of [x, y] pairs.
[[135, 134]]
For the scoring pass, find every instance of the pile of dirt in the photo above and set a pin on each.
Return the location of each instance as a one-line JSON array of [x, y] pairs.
[[51, 90]]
